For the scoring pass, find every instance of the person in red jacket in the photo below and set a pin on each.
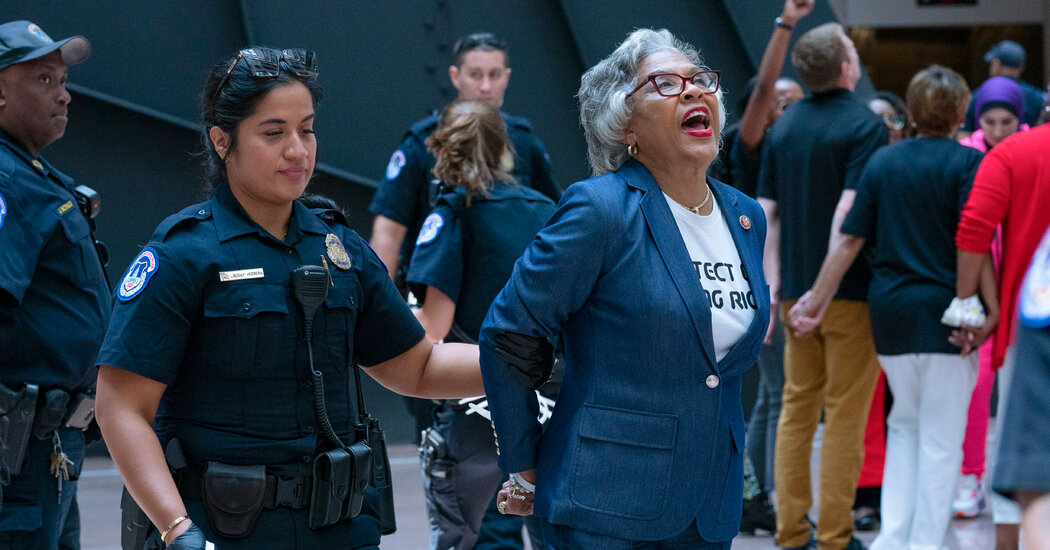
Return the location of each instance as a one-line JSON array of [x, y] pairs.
[[1012, 188]]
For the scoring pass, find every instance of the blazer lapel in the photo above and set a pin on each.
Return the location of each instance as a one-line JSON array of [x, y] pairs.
[[747, 244], [672, 250]]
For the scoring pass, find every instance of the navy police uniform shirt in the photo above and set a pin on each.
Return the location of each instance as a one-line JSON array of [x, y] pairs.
[[468, 252], [405, 198], [208, 308], [54, 303]]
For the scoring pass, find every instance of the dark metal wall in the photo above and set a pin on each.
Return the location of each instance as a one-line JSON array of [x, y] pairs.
[[132, 131]]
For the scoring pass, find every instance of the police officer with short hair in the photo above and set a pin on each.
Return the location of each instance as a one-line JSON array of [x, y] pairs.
[[481, 71], [464, 256], [54, 300]]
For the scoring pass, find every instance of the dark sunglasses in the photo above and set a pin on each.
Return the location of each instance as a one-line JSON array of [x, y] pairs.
[[266, 63]]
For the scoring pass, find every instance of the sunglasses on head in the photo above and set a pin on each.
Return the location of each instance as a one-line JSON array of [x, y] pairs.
[[266, 63]]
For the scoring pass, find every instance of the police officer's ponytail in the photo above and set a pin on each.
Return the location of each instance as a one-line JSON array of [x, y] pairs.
[[240, 93], [471, 147]]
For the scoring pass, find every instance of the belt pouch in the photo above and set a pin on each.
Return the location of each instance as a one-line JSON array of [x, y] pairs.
[[361, 477], [233, 497], [332, 472]]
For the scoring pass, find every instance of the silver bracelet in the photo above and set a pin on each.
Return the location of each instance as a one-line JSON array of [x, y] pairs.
[[522, 483]]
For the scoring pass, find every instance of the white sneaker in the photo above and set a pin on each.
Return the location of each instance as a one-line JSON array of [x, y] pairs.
[[969, 497]]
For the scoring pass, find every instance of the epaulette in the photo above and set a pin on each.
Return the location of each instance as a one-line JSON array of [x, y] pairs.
[[517, 122], [330, 216], [455, 199], [425, 127], [196, 212]]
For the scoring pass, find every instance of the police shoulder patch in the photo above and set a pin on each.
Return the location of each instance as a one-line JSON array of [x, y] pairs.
[[3, 210], [431, 229], [1034, 303], [397, 162], [138, 274]]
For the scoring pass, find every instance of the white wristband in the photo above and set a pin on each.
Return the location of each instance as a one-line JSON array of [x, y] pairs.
[[521, 482], [964, 311]]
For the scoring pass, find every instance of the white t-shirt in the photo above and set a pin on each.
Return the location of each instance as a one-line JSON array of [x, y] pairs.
[[717, 264]]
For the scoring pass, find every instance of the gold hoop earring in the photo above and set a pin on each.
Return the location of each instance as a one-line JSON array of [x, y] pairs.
[[632, 149]]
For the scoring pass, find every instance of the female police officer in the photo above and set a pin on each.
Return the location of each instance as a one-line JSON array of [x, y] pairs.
[[465, 253], [207, 339]]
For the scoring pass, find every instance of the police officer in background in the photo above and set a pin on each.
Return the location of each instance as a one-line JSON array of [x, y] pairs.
[[464, 255], [54, 300], [481, 71]]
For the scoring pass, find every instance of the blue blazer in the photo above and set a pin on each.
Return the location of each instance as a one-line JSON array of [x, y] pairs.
[[639, 445]]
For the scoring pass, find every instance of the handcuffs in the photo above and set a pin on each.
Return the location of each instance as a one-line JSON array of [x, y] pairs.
[[519, 488]]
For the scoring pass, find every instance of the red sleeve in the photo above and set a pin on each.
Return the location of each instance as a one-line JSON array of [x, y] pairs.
[[987, 204]]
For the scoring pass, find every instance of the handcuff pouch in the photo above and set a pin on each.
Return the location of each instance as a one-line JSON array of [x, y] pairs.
[[233, 497]]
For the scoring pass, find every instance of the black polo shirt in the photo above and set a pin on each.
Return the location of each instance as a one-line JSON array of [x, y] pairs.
[[908, 206], [54, 303], [815, 151]]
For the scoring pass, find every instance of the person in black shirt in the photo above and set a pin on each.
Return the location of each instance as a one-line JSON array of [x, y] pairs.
[[811, 163], [908, 205]]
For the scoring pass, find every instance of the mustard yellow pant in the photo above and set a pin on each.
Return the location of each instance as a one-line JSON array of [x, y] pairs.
[[833, 371]]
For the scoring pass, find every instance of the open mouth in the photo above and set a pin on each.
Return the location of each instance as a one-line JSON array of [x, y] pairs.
[[697, 122]]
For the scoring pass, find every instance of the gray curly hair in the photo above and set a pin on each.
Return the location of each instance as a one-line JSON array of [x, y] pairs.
[[605, 108]]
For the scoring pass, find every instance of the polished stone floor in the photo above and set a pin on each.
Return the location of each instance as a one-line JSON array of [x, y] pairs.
[[100, 511]]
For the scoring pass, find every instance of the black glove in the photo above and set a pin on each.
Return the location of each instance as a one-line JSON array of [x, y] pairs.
[[529, 358], [192, 539]]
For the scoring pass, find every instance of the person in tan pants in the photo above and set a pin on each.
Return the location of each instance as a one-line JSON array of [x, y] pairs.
[[811, 165]]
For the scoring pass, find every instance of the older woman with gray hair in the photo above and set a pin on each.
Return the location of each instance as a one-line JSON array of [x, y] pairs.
[[651, 273]]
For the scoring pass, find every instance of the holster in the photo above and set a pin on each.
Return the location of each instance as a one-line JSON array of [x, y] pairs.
[[17, 412], [381, 477], [341, 478], [135, 526], [233, 497]]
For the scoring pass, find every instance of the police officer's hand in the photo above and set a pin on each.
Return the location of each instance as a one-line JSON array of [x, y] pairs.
[[192, 539]]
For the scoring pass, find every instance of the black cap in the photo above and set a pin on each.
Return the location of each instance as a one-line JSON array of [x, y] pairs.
[[22, 41], [1008, 52]]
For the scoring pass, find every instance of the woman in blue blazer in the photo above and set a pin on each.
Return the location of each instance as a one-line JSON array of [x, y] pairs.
[[651, 273]]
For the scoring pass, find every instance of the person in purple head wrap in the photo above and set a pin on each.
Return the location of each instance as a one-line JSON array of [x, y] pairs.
[[999, 107]]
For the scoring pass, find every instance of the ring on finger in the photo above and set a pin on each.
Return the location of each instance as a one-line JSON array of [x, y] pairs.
[[502, 507]]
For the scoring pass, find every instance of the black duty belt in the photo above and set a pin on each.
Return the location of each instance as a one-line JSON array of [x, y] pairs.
[[281, 491]]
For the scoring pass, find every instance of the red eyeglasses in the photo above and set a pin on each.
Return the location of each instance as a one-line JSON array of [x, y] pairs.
[[671, 84]]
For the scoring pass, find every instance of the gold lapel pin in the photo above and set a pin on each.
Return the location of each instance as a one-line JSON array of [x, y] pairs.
[[745, 222]]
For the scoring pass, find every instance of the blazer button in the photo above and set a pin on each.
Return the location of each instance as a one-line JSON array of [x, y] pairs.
[[712, 381], [246, 307]]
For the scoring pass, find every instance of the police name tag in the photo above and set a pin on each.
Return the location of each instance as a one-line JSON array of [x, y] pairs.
[[227, 276]]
